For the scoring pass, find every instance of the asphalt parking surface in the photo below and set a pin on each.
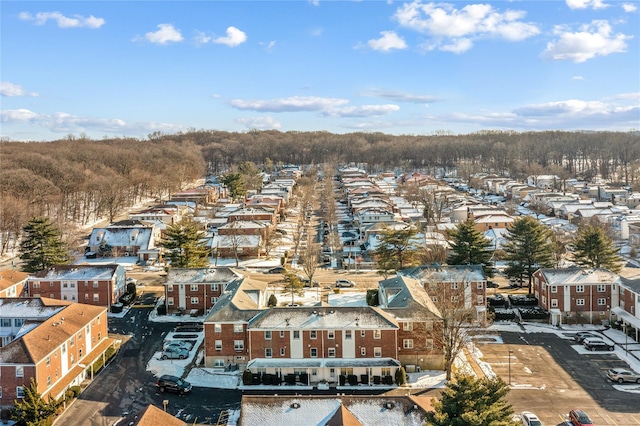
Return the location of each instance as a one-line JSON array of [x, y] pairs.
[[549, 378]]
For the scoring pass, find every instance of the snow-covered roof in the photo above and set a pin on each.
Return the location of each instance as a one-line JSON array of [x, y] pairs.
[[579, 276], [446, 273], [77, 272], [323, 318], [121, 236], [201, 275], [28, 308]]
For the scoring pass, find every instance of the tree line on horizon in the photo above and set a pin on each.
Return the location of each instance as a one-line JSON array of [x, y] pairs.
[[76, 181]]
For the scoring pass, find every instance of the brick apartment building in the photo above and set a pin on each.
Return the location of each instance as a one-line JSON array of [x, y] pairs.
[[100, 285], [58, 352]]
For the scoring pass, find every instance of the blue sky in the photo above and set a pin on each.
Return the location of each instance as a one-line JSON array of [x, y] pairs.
[[124, 68]]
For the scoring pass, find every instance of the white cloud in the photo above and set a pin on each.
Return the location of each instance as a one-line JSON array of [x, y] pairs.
[[67, 123], [400, 96], [454, 29], [77, 21], [166, 33], [315, 2], [577, 78], [268, 46], [259, 123], [291, 104], [234, 38], [629, 96], [389, 40], [629, 7], [10, 89], [585, 4], [361, 111], [595, 39]]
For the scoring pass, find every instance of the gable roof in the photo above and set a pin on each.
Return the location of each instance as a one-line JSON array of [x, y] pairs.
[[323, 318], [406, 297], [241, 300], [78, 272], [151, 416], [9, 278], [201, 275], [446, 273], [579, 276]]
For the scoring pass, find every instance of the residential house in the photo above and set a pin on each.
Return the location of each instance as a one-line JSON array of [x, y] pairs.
[[100, 285], [633, 200], [259, 213], [167, 214], [58, 352], [201, 196], [261, 201], [578, 295], [236, 245], [195, 290], [628, 313], [128, 238], [16, 311], [12, 283], [333, 410]]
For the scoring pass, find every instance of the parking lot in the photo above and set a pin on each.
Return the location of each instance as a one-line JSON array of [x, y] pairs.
[[550, 377]]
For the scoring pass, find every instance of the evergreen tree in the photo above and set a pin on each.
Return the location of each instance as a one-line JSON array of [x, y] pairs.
[[33, 410], [470, 247], [528, 248], [467, 401], [397, 249], [42, 246], [235, 184], [593, 248], [185, 242], [293, 285]]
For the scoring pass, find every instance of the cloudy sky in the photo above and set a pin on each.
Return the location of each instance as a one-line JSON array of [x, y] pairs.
[[121, 68]]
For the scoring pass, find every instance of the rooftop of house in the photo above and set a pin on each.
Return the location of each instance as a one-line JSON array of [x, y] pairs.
[[10, 278], [323, 318], [30, 307], [201, 275], [579, 276], [151, 416], [77, 272], [406, 297], [446, 273]]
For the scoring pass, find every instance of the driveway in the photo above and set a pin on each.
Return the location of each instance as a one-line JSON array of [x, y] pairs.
[[549, 377]]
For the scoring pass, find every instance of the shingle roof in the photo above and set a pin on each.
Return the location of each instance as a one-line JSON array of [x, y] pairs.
[[407, 298], [201, 275], [78, 272], [566, 276], [151, 416], [10, 278], [323, 318]]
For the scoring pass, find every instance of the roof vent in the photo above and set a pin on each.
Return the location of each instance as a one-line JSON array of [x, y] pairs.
[[388, 405], [295, 405]]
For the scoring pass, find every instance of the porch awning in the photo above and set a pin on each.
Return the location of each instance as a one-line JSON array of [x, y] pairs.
[[322, 363], [284, 363], [626, 316], [361, 362]]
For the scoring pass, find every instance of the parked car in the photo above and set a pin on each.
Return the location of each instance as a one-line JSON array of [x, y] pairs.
[[581, 335], [492, 284], [597, 345], [173, 384], [178, 344], [276, 270], [621, 375], [530, 419], [579, 418], [342, 282], [174, 353], [305, 281]]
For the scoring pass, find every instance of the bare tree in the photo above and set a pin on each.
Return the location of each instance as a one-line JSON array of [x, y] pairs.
[[310, 258], [271, 238]]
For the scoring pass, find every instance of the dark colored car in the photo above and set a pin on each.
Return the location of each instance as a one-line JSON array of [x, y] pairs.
[[579, 418], [597, 345], [173, 384], [276, 270], [581, 335]]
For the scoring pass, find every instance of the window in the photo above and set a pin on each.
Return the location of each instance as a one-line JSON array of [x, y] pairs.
[[331, 334], [313, 334], [218, 363], [218, 345], [48, 360], [214, 287], [170, 287], [283, 351], [52, 296], [429, 343], [19, 371], [363, 351], [217, 328], [434, 299], [48, 381], [96, 297], [72, 341], [36, 285], [377, 334], [331, 352], [72, 285], [579, 302], [602, 301], [51, 284], [0, 392], [238, 345], [268, 352], [347, 334], [20, 392], [86, 296], [554, 289], [99, 335], [267, 335], [407, 326], [95, 284], [407, 343], [5, 322], [18, 322], [65, 284], [313, 353], [544, 299], [170, 301], [579, 289], [377, 352], [194, 300], [454, 286], [237, 328], [281, 333], [386, 371], [214, 300], [454, 299], [296, 334], [64, 348], [332, 372], [480, 285], [554, 303], [602, 288], [194, 287], [362, 333], [479, 300]]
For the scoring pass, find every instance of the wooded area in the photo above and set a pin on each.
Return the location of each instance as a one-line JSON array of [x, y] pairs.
[[76, 181]]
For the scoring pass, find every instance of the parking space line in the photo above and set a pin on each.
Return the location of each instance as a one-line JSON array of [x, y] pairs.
[[635, 420], [611, 420]]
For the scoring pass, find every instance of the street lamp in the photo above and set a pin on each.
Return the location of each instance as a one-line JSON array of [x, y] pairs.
[[510, 352]]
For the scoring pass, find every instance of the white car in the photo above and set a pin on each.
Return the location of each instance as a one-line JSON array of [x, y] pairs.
[[177, 344], [530, 419], [342, 282]]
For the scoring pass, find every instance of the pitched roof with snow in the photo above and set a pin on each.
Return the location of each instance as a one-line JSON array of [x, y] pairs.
[[9, 278], [446, 273], [78, 272], [201, 275], [323, 318], [121, 236], [241, 300], [406, 297], [579, 276]]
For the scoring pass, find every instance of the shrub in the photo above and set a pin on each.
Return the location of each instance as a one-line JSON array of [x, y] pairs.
[[273, 301], [76, 390], [342, 380], [372, 297], [401, 376], [247, 377], [353, 379]]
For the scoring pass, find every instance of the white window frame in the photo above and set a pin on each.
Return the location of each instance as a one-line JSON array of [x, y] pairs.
[[407, 326], [554, 289], [331, 334], [193, 287], [407, 343], [20, 392], [238, 345], [268, 352], [363, 351], [579, 288], [579, 302], [602, 288], [195, 300], [331, 352], [19, 371], [267, 335], [377, 352], [554, 303], [377, 334], [602, 301], [170, 301], [238, 328], [313, 352]]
